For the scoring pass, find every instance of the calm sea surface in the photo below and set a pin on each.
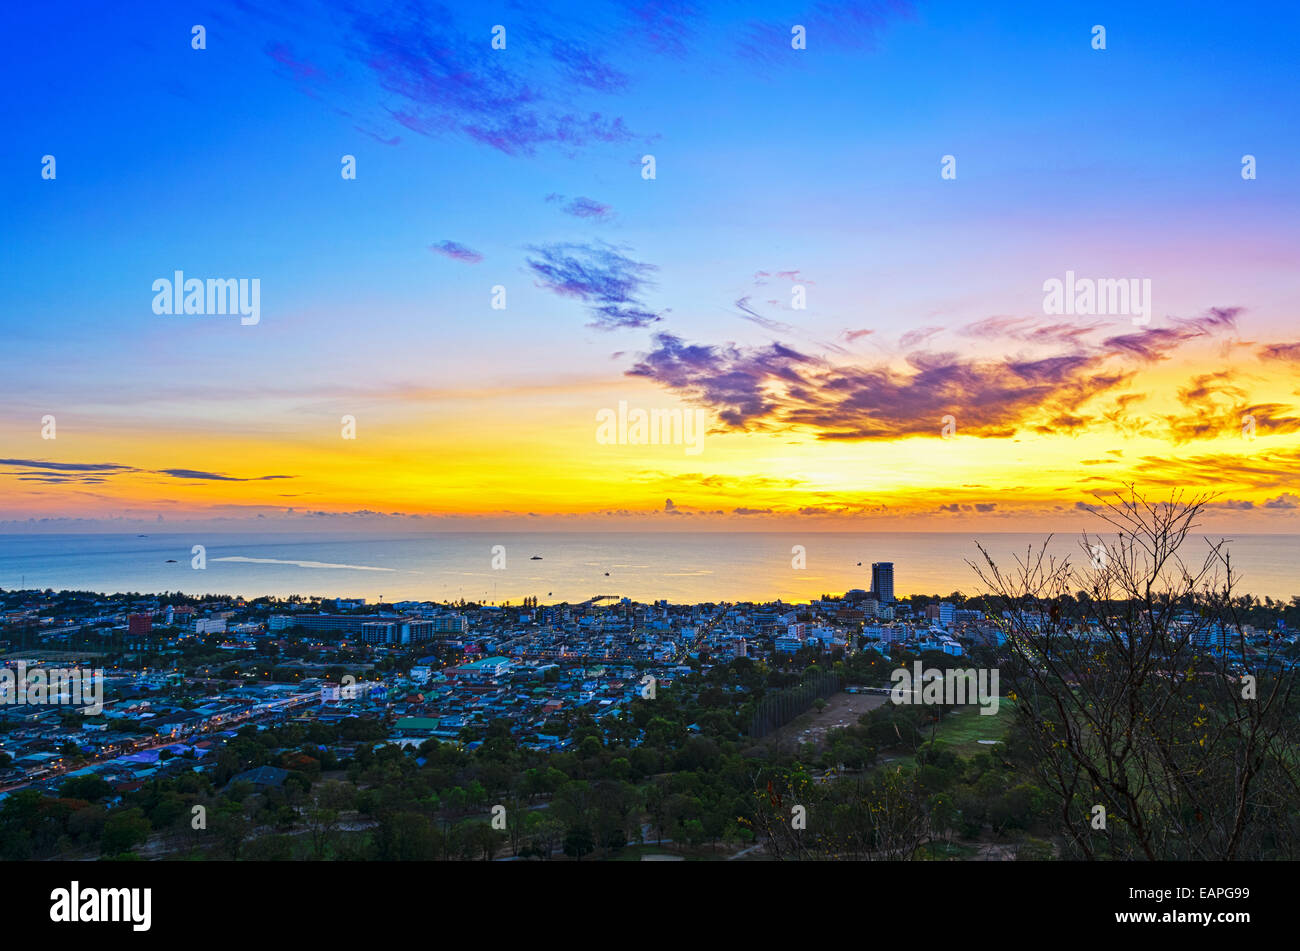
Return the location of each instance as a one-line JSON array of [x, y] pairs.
[[573, 567]]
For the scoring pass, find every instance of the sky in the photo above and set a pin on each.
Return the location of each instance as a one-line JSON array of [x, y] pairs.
[[841, 264]]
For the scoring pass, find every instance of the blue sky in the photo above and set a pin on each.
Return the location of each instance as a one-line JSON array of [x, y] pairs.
[[822, 163]]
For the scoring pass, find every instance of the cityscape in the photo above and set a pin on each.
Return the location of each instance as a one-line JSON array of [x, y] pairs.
[[485, 439], [554, 731]]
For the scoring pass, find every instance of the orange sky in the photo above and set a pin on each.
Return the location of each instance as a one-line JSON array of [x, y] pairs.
[[529, 457]]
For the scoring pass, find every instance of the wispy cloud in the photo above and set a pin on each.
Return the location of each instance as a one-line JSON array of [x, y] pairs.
[[216, 476], [582, 207], [600, 275], [1288, 352], [441, 78], [456, 251], [65, 466], [38, 470]]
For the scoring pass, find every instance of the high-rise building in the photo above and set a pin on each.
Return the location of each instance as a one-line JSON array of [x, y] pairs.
[[882, 581], [139, 623]]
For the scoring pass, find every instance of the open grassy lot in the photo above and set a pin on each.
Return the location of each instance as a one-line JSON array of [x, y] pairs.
[[963, 729], [842, 709]]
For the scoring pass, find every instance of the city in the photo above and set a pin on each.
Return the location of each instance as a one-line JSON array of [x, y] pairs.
[[229, 701]]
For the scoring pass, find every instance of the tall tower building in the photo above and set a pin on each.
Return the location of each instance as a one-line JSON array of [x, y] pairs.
[[882, 581]]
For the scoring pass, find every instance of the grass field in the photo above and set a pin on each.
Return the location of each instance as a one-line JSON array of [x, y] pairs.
[[962, 730]]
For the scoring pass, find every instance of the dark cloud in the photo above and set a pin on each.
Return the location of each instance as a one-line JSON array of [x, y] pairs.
[[1287, 500], [61, 473], [748, 313], [443, 77], [599, 275], [776, 387], [666, 25], [216, 476], [581, 207], [456, 251], [1150, 345], [66, 466], [1214, 320], [580, 66]]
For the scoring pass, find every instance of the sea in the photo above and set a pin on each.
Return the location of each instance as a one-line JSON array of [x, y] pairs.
[[557, 567]]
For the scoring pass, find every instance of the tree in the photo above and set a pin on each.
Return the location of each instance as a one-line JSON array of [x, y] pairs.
[[407, 837], [322, 816], [89, 788], [123, 830], [578, 842], [1151, 727], [231, 828]]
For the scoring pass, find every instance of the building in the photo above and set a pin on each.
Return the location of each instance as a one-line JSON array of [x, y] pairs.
[[450, 624], [262, 778], [379, 632], [213, 625], [882, 581], [397, 631], [139, 623], [335, 623], [944, 613], [1216, 637], [489, 668]]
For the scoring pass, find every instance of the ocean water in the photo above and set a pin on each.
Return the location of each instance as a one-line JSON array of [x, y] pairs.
[[679, 567]]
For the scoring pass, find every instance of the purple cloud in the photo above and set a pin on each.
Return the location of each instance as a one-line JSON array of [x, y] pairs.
[[609, 282], [582, 207], [444, 79], [456, 251]]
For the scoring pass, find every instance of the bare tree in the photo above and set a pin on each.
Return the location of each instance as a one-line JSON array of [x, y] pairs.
[[1129, 696]]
